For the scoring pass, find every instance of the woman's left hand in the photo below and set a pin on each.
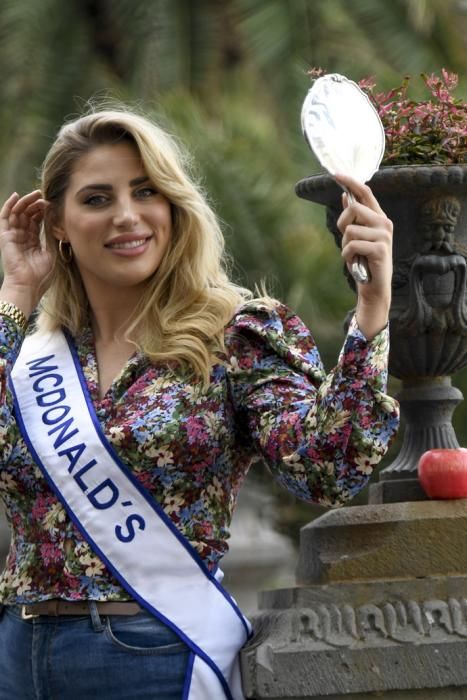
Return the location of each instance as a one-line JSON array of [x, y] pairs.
[[367, 231]]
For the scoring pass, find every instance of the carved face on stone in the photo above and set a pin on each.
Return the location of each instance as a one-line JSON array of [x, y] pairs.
[[438, 221]]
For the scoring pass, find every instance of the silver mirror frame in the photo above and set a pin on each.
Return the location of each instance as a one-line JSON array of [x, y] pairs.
[[344, 131]]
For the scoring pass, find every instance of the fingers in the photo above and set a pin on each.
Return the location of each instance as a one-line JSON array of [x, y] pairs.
[[360, 191], [366, 211], [33, 213], [23, 202], [366, 230], [375, 251], [377, 231], [26, 207], [5, 211], [357, 232], [20, 212], [28, 204], [357, 213]]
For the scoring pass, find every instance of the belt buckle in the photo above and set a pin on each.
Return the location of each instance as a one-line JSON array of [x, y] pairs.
[[27, 616]]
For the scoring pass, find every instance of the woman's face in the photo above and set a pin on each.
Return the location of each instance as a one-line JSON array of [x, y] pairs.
[[117, 223]]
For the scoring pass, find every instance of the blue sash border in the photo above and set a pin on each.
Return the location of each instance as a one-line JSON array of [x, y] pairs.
[[188, 677]]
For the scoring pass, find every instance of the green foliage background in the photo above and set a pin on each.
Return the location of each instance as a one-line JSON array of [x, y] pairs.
[[228, 77]]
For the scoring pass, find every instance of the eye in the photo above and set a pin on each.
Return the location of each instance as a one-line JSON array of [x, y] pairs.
[[96, 200], [145, 192]]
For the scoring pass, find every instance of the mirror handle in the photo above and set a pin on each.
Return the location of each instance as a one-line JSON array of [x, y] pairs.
[[359, 268]]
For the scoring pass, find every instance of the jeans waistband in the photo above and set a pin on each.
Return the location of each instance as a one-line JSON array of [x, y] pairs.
[[59, 608]]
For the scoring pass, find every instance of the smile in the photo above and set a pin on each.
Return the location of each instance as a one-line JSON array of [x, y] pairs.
[[128, 244]]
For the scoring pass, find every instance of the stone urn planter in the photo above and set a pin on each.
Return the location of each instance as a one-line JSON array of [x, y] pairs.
[[428, 205]]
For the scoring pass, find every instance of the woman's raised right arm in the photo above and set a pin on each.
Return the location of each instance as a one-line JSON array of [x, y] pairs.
[[26, 262], [26, 268]]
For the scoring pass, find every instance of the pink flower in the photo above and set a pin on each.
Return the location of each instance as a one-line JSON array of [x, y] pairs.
[[422, 131], [196, 430], [50, 553], [367, 83], [41, 506]]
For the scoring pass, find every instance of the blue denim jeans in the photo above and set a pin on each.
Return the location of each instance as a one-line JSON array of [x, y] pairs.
[[90, 658]]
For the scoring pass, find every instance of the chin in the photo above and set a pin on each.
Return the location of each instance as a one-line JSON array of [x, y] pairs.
[[136, 279]]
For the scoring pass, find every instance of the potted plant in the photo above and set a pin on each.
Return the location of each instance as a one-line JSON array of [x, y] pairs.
[[428, 131], [422, 186]]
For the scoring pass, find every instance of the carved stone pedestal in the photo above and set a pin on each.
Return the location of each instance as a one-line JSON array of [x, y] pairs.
[[381, 609]]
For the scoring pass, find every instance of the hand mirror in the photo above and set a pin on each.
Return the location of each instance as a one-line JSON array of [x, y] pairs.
[[344, 131]]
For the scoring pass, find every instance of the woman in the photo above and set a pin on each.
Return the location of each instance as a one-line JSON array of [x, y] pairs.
[[136, 406]]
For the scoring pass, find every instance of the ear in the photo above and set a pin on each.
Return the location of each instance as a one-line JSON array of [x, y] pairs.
[[53, 222], [59, 233]]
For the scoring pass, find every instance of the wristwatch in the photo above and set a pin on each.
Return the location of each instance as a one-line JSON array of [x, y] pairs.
[[16, 315]]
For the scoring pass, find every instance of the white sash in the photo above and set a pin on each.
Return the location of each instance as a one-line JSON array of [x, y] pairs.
[[124, 525]]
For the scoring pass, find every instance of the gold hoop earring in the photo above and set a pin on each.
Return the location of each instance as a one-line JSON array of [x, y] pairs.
[[66, 254]]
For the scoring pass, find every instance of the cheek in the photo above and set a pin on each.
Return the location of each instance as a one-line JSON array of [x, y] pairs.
[[165, 223], [81, 225], [166, 212], [168, 236]]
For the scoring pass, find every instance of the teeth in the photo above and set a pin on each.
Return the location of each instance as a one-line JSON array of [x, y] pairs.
[[130, 244]]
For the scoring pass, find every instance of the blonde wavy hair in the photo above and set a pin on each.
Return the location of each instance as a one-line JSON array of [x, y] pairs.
[[188, 301]]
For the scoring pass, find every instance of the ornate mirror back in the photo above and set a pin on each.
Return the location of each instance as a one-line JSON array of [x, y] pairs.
[[344, 131]]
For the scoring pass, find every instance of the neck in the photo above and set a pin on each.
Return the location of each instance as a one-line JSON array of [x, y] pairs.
[[110, 317]]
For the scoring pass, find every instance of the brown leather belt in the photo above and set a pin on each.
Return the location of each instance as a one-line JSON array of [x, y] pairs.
[[54, 608]]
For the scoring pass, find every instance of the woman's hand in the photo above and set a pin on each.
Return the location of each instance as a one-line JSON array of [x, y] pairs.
[[367, 231], [26, 263]]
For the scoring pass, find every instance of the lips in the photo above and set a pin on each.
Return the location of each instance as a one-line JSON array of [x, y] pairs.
[[130, 244], [127, 242]]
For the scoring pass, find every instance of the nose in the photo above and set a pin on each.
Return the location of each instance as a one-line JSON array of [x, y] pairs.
[[126, 214]]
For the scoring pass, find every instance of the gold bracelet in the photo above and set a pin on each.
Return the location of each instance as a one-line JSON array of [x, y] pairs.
[[16, 315]]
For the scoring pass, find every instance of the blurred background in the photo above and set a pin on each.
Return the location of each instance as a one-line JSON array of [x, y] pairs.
[[228, 78]]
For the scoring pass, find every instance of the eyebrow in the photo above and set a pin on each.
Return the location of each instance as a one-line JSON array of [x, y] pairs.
[[107, 187]]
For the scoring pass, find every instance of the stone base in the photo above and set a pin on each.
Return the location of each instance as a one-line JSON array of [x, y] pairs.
[[400, 639], [392, 540], [382, 609], [396, 491], [432, 694]]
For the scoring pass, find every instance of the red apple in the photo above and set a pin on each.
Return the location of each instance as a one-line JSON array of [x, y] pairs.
[[443, 473]]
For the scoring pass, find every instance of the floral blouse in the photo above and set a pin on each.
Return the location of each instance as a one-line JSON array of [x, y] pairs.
[[191, 447]]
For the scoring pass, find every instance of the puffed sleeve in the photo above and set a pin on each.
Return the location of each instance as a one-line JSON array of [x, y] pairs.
[[11, 338], [320, 434]]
